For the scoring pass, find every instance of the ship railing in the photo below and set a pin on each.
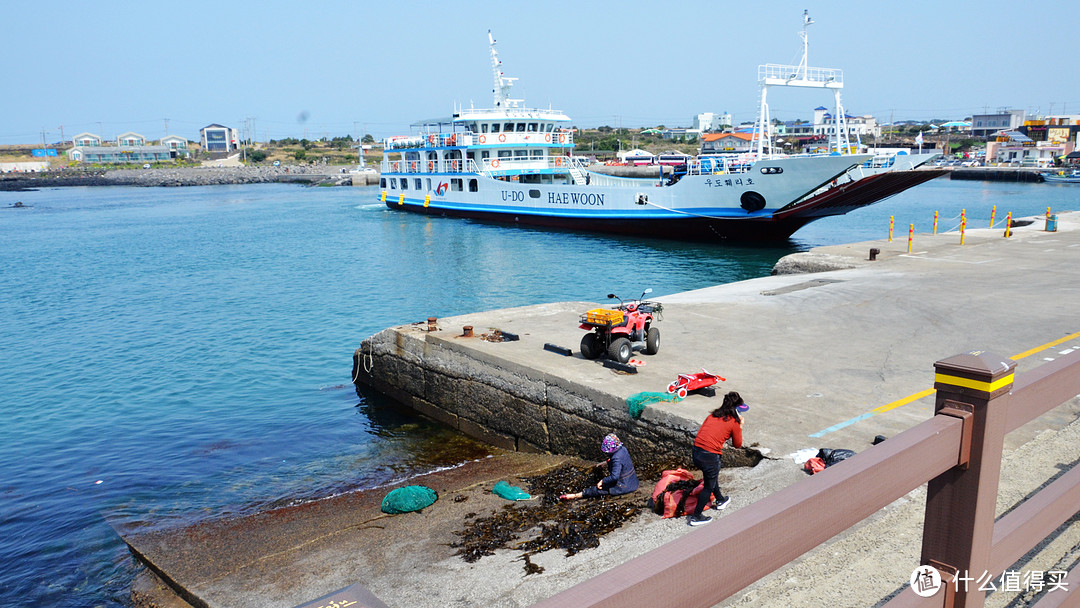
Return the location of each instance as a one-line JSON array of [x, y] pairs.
[[718, 165], [460, 139], [531, 163], [447, 165]]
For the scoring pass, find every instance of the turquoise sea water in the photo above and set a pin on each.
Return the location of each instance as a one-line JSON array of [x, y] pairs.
[[175, 354]]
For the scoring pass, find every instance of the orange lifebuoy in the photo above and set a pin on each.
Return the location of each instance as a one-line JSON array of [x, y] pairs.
[[430, 165], [494, 163], [558, 161], [453, 164], [562, 138], [431, 139], [547, 138], [413, 166], [502, 137], [483, 139], [453, 140]]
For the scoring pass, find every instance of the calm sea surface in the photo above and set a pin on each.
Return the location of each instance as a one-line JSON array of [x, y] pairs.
[[170, 354]]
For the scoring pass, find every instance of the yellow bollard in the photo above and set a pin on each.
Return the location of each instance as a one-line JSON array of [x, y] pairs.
[[963, 227], [935, 222], [401, 200], [427, 200], [1008, 225], [891, 220], [993, 212], [1047, 213], [910, 236]]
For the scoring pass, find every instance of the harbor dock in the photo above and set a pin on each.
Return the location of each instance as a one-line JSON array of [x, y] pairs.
[[834, 350]]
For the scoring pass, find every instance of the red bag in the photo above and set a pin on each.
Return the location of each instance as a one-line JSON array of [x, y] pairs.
[[676, 502], [814, 465]]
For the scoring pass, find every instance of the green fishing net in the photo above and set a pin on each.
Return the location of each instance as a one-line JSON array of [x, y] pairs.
[[408, 498], [509, 492], [636, 403]]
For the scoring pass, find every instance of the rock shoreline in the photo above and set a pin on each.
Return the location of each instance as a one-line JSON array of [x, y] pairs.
[[187, 176]]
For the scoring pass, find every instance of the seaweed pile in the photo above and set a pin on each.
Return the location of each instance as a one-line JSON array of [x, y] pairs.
[[571, 526]]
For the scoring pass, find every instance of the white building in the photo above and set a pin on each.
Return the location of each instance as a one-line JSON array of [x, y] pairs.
[[708, 121], [858, 127]]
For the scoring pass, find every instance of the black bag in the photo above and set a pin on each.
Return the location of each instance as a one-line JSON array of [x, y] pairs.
[[832, 457]]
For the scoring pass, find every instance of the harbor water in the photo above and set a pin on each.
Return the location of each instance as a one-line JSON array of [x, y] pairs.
[[174, 354]]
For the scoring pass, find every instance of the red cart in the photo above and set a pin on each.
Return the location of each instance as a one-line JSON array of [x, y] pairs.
[[693, 382]]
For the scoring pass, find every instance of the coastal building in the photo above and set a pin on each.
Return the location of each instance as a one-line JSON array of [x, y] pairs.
[[178, 146], [684, 134], [130, 139], [637, 156], [708, 121], [857, 126], [86, 139], [118, 154], [1013, 148], [985, 125], [1053, 129], [720, 143], [219, 138]]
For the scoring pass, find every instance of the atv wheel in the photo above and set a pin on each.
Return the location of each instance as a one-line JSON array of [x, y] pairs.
[[620, 350], [590, 346], [652, 341]]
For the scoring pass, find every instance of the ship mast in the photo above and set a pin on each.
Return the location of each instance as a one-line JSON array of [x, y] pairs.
[[802, 75], [503, 84]]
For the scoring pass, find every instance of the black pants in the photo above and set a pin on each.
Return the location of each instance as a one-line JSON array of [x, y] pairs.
[[709, 463]]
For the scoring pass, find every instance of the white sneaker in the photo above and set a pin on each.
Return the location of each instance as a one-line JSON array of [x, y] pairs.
[[723, 505], [699, 520]]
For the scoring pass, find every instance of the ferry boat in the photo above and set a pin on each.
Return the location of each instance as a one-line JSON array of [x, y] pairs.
[[512, 163]]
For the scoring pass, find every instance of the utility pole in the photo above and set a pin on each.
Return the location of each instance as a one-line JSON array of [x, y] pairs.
[[62, 140], [166, 127]]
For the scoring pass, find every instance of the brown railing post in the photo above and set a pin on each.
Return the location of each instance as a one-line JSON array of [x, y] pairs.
[[960, 503]]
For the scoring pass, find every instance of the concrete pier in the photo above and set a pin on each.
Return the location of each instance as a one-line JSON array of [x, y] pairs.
[[826, 359]]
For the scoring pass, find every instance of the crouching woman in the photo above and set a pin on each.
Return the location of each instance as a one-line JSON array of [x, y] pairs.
[[621, 477]]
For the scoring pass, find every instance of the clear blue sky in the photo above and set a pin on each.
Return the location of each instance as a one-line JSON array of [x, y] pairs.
[[345, 68]]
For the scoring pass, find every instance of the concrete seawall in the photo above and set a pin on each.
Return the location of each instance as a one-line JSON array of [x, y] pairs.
[[188, 176]]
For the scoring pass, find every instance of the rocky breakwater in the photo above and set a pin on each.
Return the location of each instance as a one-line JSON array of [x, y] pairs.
[[180, 176]]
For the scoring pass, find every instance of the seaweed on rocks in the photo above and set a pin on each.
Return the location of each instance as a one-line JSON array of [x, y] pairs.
[[551, 524]]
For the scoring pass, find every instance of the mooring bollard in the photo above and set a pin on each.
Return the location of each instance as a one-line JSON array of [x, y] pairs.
[[432, 324], [466, 331], [874, 251], [891, 220]]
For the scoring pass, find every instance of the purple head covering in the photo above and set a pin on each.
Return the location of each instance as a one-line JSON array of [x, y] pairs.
[[611, 444]]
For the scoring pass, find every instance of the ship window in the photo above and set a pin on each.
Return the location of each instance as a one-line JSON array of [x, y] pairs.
[[495, 128], [521, 127], [418, 184], [382, 183], [484, 155], [483, 127], [534, 193], [537, 153], [521, 153], [551, 127], [532, 127], [393, 183], [404, 184], [429, 183], [474, 186], [455, 185], [508, 127], [505, 153]]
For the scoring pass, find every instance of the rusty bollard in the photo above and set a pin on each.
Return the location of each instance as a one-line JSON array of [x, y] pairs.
[[466, 331], [874, 251], [431, 324]]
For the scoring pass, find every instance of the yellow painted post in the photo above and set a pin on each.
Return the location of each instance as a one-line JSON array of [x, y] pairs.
[[963, 227], [427, 200], [935, 222], [891, 220], [401, 199], [1008, 225], [1048, 213], [993, 212], [910, 236], [384, 196]]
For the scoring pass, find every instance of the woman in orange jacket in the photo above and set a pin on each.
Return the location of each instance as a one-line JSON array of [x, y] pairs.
[[723, 423]]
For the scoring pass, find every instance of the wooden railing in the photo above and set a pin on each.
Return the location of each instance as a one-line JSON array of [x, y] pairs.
[[957, 452]]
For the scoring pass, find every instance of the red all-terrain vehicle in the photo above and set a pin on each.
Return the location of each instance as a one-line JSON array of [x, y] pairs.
[[618, 332]]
